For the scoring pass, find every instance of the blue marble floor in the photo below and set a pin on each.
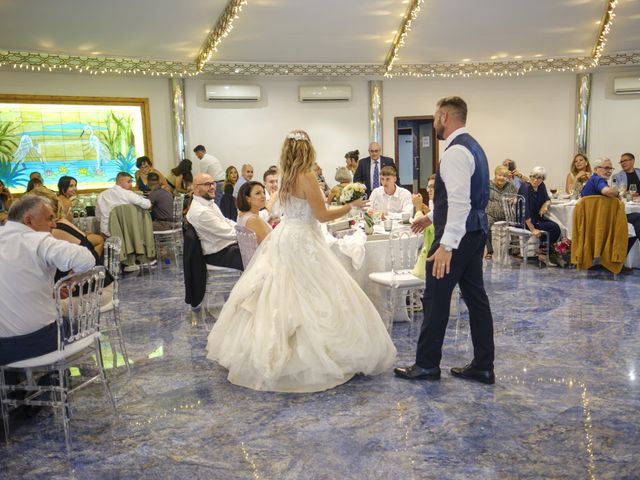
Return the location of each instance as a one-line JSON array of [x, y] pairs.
[[565, 406]]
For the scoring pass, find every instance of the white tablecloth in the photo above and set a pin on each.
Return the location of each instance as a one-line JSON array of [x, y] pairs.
[[563, 212]]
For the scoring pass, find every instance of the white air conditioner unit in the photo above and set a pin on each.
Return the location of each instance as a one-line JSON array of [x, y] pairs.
[[626, 85], [323, 93], [232, 93]]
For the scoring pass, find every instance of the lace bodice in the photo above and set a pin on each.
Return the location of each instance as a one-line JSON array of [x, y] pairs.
[[298, 210]]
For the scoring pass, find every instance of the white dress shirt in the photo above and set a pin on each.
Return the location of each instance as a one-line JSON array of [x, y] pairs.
[[236, 188], [215, 231], [399, 202], [456, 168], [211, 165], [113, 197], [28, 262]]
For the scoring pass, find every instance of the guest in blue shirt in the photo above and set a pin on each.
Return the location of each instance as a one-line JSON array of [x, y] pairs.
[[537, 204]]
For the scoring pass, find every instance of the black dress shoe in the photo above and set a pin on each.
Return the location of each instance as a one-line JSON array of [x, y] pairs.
[[470, 372], [415, 372]]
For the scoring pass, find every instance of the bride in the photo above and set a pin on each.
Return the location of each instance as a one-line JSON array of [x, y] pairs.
[[287, 326]]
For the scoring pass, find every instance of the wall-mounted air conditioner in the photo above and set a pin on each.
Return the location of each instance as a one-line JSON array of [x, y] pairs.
[[232, 93], [323, 93], [626, 85]]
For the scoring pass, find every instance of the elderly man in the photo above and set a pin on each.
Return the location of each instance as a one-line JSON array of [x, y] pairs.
[[390, 198], [217, 234], [119, 194], [246, 176], [598, 185], [368, 170], [210, 165], [29, 256], [629, 174]]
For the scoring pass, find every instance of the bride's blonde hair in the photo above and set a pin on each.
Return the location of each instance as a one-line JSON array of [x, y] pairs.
[[297, 157]]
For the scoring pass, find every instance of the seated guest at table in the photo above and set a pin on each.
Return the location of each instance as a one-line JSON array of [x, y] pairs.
[[119, 194], [217, 234], [578, 175], [495, 213], [419, 270], [181, 177], [343, 177], [247, 176], [29, 256], [251, 200], [629, 174], [368, 169], [5, 202], [231, 176], [598, 185], [228, 203], [33, 183], [272, 212], [161, 204], [67, 189], [351, 159], [321, 181], [145, 167], [515, 176], [536, 205], [389, 197]]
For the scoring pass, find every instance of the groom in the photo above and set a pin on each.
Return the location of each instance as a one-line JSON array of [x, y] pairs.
[[461, 195]]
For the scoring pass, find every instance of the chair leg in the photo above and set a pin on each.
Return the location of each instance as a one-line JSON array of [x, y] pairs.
[[4, 410], [123, 348], [64, 400], [524, 252], [103, 377]]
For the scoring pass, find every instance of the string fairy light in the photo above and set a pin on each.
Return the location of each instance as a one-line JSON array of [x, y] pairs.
[[220, 31], [401, 35], [605, 28]]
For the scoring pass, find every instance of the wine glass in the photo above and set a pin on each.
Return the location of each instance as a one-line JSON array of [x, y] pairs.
[[633, 189], [554, 192]]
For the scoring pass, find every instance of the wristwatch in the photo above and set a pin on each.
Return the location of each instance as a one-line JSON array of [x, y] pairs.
[[447, 248]]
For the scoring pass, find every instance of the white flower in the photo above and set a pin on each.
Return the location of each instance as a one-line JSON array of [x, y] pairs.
[[352, 192]]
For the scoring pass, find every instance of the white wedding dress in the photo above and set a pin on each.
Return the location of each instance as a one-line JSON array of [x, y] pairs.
[[296, 321]]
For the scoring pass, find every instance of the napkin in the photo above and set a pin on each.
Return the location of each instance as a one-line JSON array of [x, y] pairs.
[[353, 247]]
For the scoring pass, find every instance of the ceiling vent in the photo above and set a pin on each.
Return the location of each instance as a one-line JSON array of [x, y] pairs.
[[232, 93], [626, 85], [324, 93]]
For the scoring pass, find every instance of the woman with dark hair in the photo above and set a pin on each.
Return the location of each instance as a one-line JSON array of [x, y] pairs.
[[5, 202], [182, 177], [33, 184], [251, 199], [67, 189], [145, 167], [352, 160]]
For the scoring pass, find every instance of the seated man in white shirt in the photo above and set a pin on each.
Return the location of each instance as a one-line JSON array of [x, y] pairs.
[[29, 256], [389, 198], [217, 234], [119, 194], [272, 212]]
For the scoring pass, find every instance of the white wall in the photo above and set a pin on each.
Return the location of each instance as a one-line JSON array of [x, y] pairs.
[[615, 119], [157, 90], [528, 119], [254, 132]]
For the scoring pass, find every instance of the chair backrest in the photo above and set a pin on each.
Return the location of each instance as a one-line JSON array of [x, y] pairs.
[[178, 209], [194, 267], [514, 209], [77, 299], [247, 242], [404, 247]]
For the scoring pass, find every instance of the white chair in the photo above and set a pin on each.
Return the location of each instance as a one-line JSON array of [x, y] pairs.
[[172, 239], [78, 338], [247, 242], [401, 283], [518, 235], [112, 247]]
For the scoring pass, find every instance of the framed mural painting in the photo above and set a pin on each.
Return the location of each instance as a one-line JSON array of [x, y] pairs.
[[89, 138]]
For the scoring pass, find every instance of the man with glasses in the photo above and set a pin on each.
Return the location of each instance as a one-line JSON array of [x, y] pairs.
[[598, 185], [217, 234], [368, 170], [629, 174]]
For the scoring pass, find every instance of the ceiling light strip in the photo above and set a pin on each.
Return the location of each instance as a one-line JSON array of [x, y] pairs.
[[605, 28], [220, 31], [401, 35]]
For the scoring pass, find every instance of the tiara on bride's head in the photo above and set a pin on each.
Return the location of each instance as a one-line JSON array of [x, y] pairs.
[[297, 135]]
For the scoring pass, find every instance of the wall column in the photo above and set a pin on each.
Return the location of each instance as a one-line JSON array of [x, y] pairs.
[[583, 99], [178, 119], [375, 112]]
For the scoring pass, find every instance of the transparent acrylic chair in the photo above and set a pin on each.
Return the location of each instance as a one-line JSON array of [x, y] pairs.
[[247, 242], [171, 240], [518, 235]]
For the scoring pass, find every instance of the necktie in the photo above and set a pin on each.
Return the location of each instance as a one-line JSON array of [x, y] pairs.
[[376, 175]]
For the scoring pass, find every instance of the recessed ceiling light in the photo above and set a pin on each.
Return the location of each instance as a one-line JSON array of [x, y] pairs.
[[517, 56], [493, 57], [538, 55], [466, 59]]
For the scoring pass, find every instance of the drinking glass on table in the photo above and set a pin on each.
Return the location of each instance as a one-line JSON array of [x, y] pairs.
[[633, 189], [554, 192]]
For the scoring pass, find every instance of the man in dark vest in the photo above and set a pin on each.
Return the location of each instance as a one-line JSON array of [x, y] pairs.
[[461, 195]]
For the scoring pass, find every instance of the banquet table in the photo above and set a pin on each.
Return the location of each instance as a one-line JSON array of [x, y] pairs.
[[563, 213]]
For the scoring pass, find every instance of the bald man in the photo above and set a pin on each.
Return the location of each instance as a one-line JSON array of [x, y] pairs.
[[368, 169]]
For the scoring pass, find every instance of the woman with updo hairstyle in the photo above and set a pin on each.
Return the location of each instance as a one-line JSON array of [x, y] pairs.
[[251, 199], [579, 173], [296, 321], [352, 158], [145, 167], [343, 177]]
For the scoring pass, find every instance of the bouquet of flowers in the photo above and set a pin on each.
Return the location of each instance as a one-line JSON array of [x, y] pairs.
[[562, 250], [352, 192]]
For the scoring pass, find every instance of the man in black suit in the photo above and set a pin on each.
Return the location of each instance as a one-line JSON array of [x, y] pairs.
[[368, 170]]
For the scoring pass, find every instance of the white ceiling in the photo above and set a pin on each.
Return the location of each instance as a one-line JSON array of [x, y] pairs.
[[317, 31]]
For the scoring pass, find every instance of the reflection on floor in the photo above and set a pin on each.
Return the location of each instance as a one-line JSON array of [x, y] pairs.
[[565, 404]]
